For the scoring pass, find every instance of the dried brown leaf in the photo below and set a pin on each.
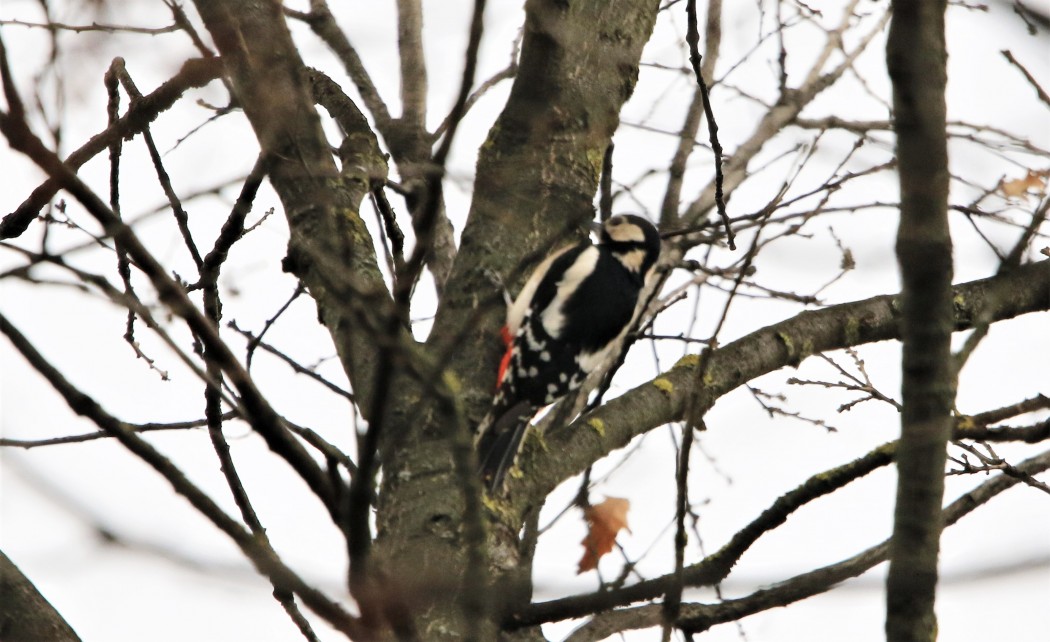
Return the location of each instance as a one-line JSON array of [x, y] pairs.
[[1034, 181], [604, 521]]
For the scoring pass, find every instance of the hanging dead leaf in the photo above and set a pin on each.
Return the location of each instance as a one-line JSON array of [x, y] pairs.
[[604, 521], [1019, 187]]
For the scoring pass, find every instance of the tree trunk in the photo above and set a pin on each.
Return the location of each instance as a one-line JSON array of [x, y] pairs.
[[536, 179], [25, 614], [916, 60], [330, 249]]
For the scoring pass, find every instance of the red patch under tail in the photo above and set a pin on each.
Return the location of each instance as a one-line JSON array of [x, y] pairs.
[[504, 363]]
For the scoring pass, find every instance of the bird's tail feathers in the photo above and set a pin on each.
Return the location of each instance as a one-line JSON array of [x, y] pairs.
[[499, 442]]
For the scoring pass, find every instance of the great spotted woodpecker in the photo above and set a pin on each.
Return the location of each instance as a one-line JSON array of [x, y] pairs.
[[564, 324]]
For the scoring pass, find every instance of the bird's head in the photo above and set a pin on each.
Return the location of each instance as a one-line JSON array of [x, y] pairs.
[[634, 240]]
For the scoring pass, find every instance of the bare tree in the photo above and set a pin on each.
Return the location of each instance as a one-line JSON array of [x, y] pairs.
[[371, 206]]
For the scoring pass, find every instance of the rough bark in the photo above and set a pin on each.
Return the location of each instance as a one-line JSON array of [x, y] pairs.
[[916, 60], [536, 178], [25, 614], [539, 169]]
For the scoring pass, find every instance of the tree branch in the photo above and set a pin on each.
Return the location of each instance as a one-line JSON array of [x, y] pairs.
[[787, 108], [787, 343], [696, 618], [256, 550], [197, 72], [413, 63], [25, 614], [717, 566], [330, 249], [255, 408]]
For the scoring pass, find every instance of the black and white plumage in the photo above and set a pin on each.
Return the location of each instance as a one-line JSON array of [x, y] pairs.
[[565, 322]]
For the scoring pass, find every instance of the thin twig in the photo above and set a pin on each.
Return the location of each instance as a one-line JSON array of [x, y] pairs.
[[701, 617], [95, 26], [255, 341], [194, 73], [92, 436], [1028, 76], [257, 551], [257, 410], [693, 38], [118, 69]]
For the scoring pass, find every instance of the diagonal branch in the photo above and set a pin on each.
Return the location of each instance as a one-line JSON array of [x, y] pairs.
[[687, 135], [716, 567], [697, 618], [692, 38], [261, 555], [256, 409], [323, 24], [25, 614], [197, 72], [331, 249], [787, 343], [787, 108]]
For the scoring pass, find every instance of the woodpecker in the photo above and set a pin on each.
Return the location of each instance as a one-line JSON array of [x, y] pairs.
[[565, 322]]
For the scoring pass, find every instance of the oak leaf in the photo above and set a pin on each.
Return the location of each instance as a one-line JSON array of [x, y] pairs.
[[1019, 187], [604, 521]]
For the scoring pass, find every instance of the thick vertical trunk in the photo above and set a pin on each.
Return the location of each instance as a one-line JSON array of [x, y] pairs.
[[916, 60], [536, 178]]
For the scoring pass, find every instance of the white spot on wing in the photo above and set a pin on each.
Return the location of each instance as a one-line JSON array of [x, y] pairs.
[[535, 344], [588, 361]]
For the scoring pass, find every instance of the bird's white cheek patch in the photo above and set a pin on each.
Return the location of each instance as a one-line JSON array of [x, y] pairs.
[[632, 260], [628, 233]]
